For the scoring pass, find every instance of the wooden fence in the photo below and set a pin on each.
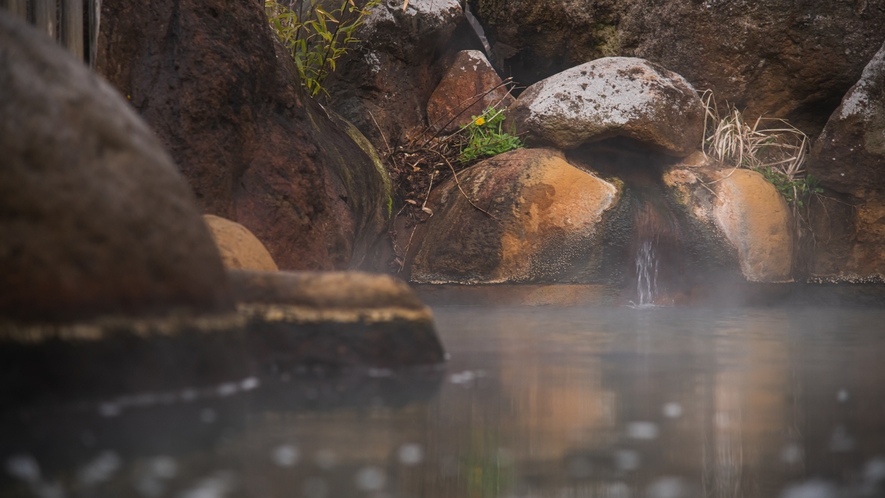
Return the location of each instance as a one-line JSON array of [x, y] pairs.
[[72, 23]]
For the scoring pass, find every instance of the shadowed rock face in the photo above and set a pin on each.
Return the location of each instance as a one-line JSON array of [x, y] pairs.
[[224, 98], [613, 96], [468, 88], [791, 60], [94, 216], [849, 159]]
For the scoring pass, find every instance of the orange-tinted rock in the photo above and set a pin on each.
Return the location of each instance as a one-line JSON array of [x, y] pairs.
[[94, 216], [748, 210], [534, 218], [240, 250], [468, 88], [612, 97]]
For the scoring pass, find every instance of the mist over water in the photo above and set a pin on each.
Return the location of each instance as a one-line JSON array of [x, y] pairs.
[[534, 402]]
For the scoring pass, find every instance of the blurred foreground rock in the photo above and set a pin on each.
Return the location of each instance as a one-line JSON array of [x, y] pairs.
[[94, 216]]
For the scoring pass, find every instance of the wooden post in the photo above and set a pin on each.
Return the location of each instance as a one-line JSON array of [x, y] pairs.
[[45, 17], [72, 26], [94, 20], [18, 8]]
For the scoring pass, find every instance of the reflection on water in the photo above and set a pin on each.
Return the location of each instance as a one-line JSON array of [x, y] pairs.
[[534, 402]]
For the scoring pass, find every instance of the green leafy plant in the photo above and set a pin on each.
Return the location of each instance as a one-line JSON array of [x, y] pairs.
[[486, 136], [315, 37]]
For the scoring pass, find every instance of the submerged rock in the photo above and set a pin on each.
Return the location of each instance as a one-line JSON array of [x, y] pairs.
[[239, 249], [225, 99], [522, 216], [747, 210], [94, 216], [468, 88], [613, 96]]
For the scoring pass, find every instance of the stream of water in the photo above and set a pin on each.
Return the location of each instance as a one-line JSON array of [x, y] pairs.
[[533, 402]]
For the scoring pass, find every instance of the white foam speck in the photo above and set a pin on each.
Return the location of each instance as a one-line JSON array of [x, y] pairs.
[[410, 454], [371, 478], [810, 489], [215, 486], [23, 467], [642, 430], [672, 410], [285, 455], [627, 460], [101, 469]]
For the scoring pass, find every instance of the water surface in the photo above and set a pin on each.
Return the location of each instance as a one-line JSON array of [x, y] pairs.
[[533, 402]]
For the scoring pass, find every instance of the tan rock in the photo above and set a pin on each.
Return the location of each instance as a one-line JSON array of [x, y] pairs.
[[468, 88], [747, 209], [531, 216], [240, 250]]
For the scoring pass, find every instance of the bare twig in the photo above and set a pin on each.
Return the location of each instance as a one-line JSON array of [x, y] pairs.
[[386, 143], [458, 182]]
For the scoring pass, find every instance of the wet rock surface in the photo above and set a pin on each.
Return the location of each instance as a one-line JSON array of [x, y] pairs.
[[615, 96], [224, 98], [523, 216], [469, 87], [791, 61], [94, 216], [849, 159], [747, 210], [239, 249]]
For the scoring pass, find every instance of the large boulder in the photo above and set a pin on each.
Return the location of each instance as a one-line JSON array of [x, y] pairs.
[[94, 216], [849, 159], [469, 87], [745, 209], [608, 97], [849, 155], [522, 216], [383, 84], [225, 99], [793, 60]]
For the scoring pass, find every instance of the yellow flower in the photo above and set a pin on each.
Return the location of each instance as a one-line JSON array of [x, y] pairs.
[[479, 121]]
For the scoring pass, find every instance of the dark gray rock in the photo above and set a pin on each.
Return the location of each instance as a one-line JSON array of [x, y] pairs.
[[94, 216]]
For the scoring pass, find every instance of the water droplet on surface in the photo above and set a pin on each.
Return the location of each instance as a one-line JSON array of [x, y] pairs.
[[410, 454], [874, 471], [100, 469], [580, 467], [810, 489], [208, 415], [642, 430], [792, 453], [842, 396], [668, 487], [249, 383], [462, 377], [315, 487], [841, 441], [285, 455], [227, 389], [626, 460], [215, 486], [164, 467], [109, 409], [371, 478], [672, 410], [23, 467], [325, 459]]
